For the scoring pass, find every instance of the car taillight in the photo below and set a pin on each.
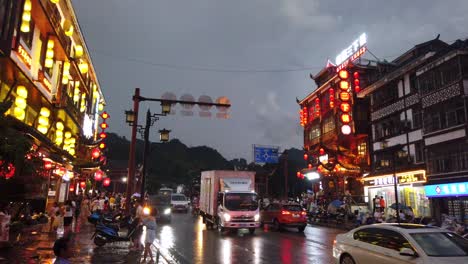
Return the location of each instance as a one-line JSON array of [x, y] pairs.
[[283, 212], [303, 213]]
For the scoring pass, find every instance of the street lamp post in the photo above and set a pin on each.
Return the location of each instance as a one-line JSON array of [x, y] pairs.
[[132, 119], [164, 137]]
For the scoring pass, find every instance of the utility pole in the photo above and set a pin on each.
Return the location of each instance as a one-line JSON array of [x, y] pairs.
[[145, 155]]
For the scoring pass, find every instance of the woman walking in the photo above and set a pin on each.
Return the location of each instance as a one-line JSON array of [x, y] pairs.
[[149, 220], [53, 217]]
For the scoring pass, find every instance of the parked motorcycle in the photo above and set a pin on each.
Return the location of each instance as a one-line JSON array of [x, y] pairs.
[[109, 234]]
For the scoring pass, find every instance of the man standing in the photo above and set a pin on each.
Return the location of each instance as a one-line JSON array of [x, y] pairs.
[[382, 204]]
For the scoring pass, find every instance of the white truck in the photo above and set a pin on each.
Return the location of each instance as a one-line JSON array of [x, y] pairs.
[[228, 200]]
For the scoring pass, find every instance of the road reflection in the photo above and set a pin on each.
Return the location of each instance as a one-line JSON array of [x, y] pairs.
[[257, 246], [199, 228], [226, 250], [167, 237]]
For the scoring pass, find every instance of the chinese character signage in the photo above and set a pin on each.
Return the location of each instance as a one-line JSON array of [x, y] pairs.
[[404, 178], [447, 189]]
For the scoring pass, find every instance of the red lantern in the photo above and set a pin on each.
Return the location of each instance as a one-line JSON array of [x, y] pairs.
[[83, 184], [310, 166], [344, 96], [298, 174], [356, 75], [104, 125], [105, 115], [321, 151], [96, 153], [106, 182], [47, 165], [306, 157], [72, 188], [345, 118], [103, 135], [345, 107], [343, 74], [98, 175]]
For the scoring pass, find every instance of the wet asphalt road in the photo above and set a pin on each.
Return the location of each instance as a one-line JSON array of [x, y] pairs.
[[186, 240], [189, 242]]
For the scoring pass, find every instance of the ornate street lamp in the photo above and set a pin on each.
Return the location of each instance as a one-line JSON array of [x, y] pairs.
[[166, 107], [130, 117], [164, 135]]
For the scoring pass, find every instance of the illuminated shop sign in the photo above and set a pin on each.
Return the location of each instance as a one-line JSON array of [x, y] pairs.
[[24, 55], [447, 189], [352, 52], [403, 178]]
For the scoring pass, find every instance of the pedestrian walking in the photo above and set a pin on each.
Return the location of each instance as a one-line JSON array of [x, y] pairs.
[[5, 219], [149, 220], [382, 204], [63, 250], [85, 209], [68, 217], [53, 217], [139, 229]]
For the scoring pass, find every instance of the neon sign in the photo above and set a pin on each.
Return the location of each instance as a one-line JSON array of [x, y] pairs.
[[352, 52], [24, 55]]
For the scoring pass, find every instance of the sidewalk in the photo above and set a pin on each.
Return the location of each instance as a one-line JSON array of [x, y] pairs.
[[37, 248]]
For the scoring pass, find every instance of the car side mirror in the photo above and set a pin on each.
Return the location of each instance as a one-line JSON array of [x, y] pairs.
[[408, 252]]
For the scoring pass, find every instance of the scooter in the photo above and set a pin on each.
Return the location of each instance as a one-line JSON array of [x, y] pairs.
[[109, 234]]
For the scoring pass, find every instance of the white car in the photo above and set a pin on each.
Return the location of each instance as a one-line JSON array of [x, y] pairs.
[[400, 243], [180, 202]]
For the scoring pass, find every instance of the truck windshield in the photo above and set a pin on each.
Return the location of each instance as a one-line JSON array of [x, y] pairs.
[[241, 201]]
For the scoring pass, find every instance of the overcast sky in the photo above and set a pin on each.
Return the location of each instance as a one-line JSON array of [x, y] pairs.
[[258, 53]]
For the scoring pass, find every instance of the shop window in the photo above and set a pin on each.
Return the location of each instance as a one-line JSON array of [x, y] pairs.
[[328, 124], [419, 152], [362, 149], [314, 132], [417, 119], [27, 37], [384, 163]]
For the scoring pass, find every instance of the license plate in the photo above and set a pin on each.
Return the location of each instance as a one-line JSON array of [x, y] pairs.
[[295, 215], [243, 225]]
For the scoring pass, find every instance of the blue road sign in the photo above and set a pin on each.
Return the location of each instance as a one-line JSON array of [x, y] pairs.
[[265, 154]]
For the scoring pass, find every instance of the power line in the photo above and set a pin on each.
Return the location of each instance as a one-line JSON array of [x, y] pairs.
[[204, 69]]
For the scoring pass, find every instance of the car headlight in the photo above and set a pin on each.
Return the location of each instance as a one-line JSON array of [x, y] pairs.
[[257, 217], [167, 211], [227, 217]]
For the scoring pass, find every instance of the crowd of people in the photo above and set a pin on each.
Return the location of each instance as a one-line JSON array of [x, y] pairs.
[[75, 212]]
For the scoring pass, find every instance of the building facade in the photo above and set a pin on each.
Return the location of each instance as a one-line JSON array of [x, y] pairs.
[[418, 120], [47, 74], [336, 129]]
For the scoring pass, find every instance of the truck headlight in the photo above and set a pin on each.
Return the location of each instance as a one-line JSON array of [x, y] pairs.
[[257, 217], [227, 217], [167, 211]]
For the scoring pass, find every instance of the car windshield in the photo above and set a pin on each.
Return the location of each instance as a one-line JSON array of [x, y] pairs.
[[442, 244], [241, 201], [292, 208], [160, 200], [178, 198]]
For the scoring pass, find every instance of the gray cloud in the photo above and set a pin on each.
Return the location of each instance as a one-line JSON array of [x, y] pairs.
[[246, 34]]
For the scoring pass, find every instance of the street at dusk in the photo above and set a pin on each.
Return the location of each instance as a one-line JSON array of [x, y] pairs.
[[258, 131], [186, 240]]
